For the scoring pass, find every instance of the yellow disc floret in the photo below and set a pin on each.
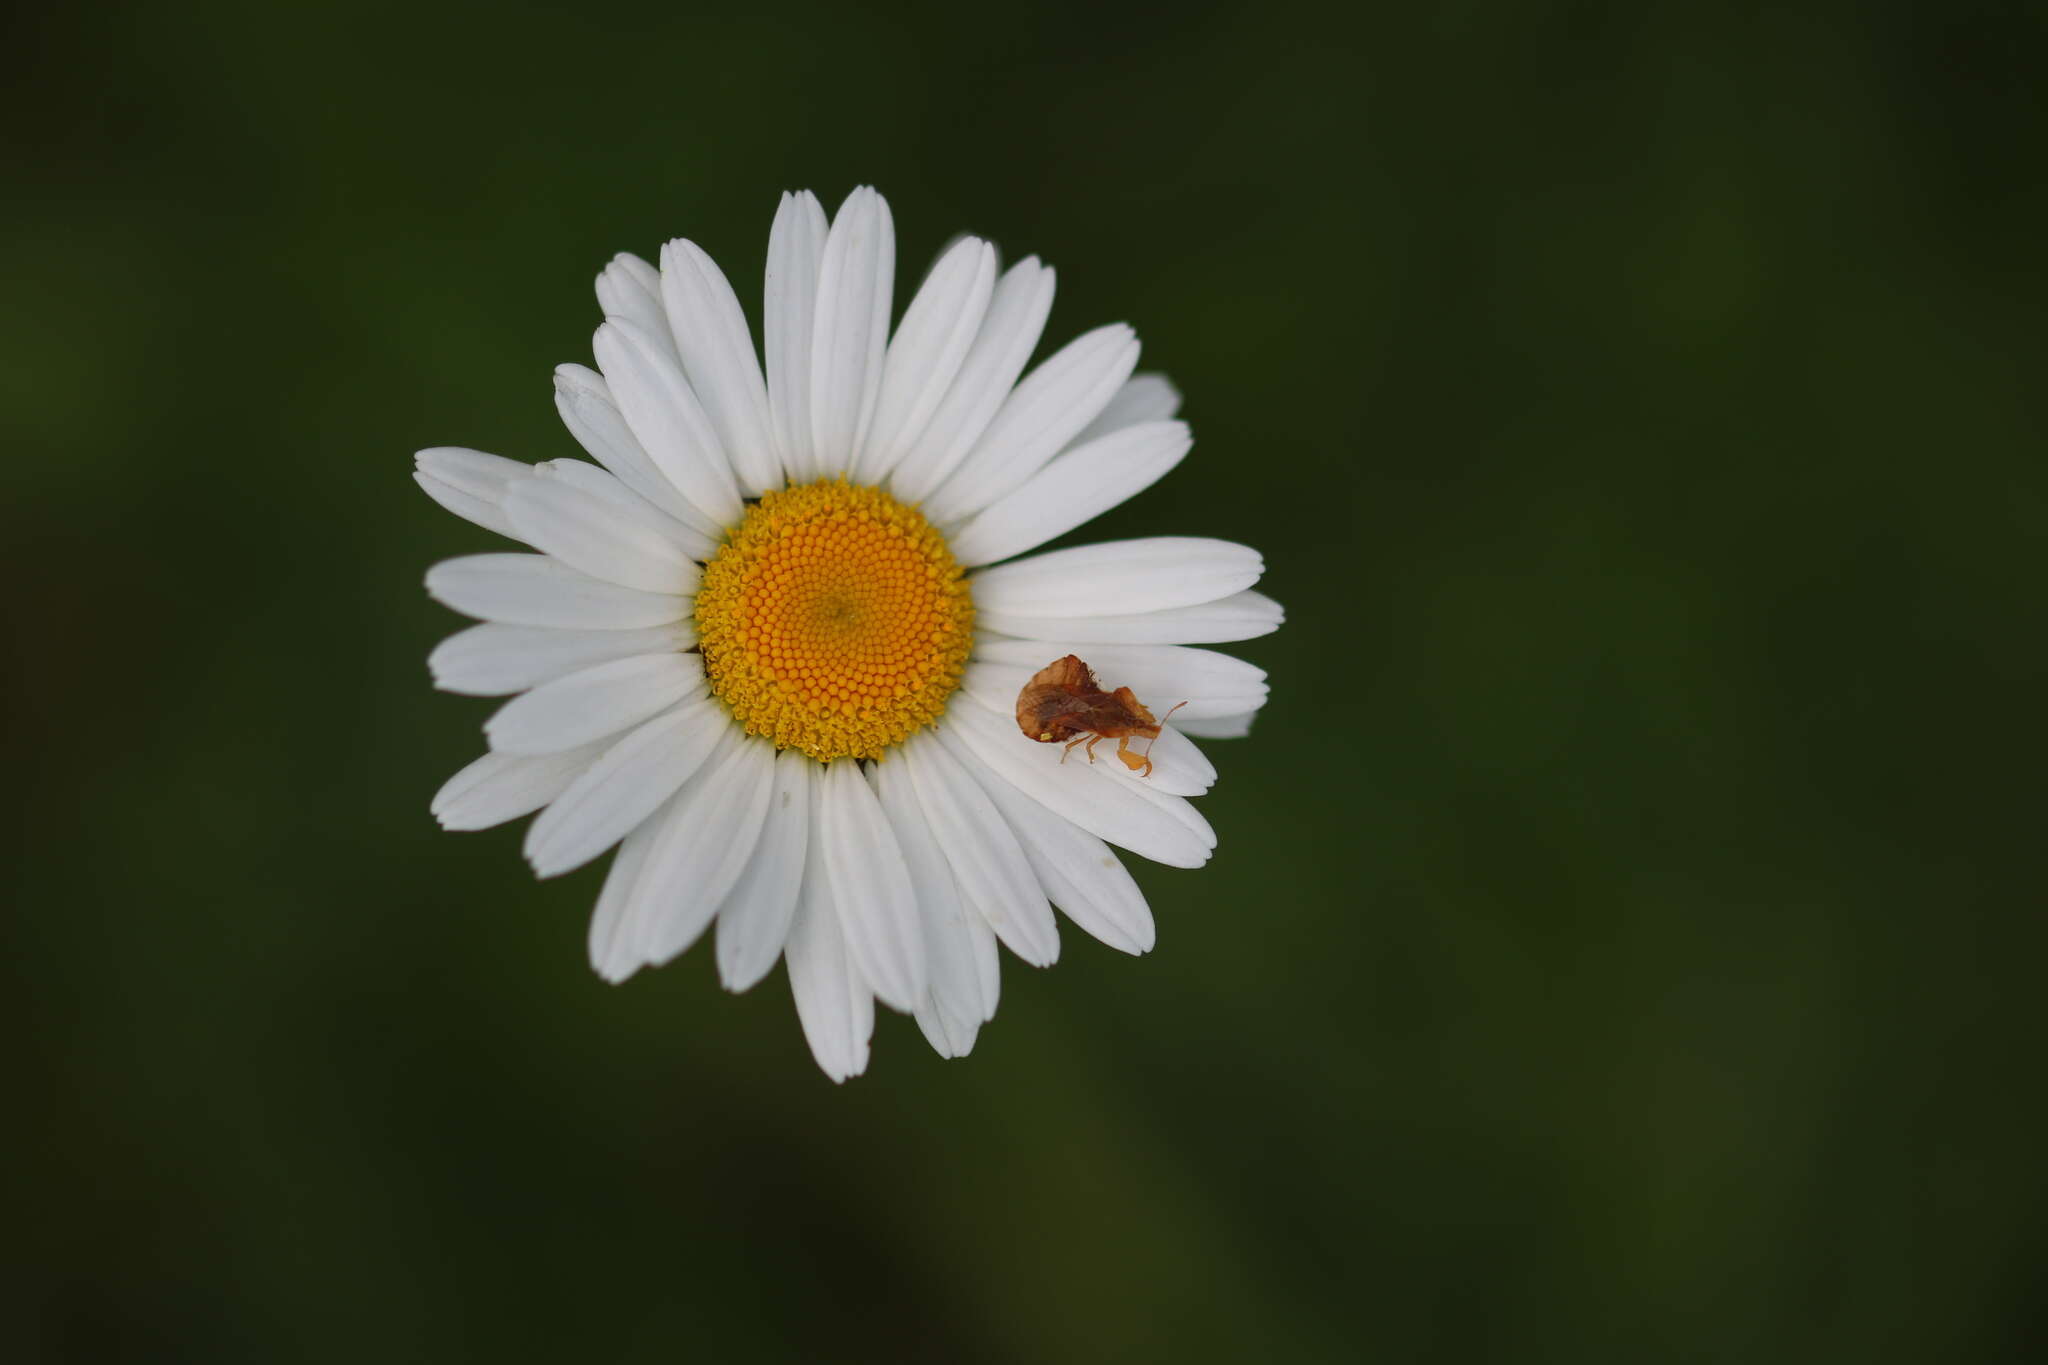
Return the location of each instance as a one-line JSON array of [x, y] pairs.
[[834, 620]]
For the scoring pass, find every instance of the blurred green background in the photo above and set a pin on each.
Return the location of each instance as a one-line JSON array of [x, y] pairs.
[[1623, 940]]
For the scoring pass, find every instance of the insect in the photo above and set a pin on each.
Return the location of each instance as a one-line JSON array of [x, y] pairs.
[[1064, 702]]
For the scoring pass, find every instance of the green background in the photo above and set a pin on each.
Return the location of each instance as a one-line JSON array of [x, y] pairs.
[[1623, 938]]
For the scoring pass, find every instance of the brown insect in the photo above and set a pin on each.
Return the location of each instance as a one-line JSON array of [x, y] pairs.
[[1064, 702]]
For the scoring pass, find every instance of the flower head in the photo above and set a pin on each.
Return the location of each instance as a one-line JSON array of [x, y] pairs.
[[768, 647]]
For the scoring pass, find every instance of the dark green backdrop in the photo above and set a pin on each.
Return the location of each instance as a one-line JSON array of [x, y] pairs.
[[1623, 937]]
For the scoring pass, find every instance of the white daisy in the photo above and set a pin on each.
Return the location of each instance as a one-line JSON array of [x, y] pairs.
[[762, 650]]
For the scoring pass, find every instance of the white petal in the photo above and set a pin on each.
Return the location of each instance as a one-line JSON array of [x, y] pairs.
[[534, 590], [982, 939], [470, 483], [611, 946], [1211, 684], [1235, 726], [1143, 398], [870, 888], [599, 483], [937, 330], [630, 288], [479, 474], [619, 542], [642, 273], [702, 849], [1037, 421], [962, 992], [754, 923], [1176, 807], [593, 703], [501, 787], [833, 1004], [1177, 766], [851, 331], [1076, 869], [1116, 811], [717, 352], [984, 855], [614, 795], [491, 660], [796, 251], [585, 402], [466, 505], [1077, 487], [1016, 317], [1241, 616], [1119, 578], [947, 1037], [663, 413]]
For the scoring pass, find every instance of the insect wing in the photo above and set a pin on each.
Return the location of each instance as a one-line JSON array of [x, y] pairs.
[[1055, 698], [1136, 716], [1066, 673], [1051, 711]]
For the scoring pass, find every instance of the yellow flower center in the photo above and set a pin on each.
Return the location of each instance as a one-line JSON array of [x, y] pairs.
[[834, 620]]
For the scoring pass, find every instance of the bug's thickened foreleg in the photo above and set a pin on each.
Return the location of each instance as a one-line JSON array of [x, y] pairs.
[[1137, 763]]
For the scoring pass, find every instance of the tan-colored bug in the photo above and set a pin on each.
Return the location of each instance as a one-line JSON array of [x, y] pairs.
[[1063, 702]]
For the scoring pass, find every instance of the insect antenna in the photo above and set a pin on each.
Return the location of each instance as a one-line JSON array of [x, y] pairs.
[[1162, 725]]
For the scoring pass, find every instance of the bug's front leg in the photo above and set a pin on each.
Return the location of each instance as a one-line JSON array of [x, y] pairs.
[[1136, 762]]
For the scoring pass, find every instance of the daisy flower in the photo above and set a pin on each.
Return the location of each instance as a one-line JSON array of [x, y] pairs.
[[771, 643]]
